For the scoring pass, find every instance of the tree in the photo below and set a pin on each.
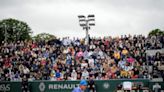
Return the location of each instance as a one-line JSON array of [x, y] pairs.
[[156, 32], [44, 36], [14, 30]]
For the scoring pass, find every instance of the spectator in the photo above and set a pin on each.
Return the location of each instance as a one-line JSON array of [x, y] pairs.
[[73, 75], [67, 59], [85, 74], [58, 75]]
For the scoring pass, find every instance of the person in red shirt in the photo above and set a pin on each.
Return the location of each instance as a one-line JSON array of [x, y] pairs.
[[7, 62]]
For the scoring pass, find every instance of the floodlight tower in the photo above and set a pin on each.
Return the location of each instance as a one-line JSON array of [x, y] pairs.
[[86, 24]]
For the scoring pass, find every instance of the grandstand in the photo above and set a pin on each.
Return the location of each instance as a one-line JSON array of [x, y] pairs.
[[70, 60]]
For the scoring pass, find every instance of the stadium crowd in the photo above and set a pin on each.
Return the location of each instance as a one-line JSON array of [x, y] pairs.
[[70, 59]]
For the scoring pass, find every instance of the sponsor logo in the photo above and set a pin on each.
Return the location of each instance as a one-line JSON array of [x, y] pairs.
[[42, 87], [106, 85], [62, 86], [4, 87]]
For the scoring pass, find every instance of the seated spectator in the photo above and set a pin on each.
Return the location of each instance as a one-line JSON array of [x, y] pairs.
[[58, 75], [85, 74], [73, 75], [106, 58]]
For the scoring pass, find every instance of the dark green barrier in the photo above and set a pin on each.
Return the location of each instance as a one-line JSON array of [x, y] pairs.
[[10, 86], [65, 86], [53, 86], [111, 85]]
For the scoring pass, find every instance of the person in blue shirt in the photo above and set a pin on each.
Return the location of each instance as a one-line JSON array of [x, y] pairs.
[[58, 75], [82, 87]]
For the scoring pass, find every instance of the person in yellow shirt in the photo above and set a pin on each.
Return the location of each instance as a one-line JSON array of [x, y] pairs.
[[114, 68], [124, 51], [117, 56], [124, 73]]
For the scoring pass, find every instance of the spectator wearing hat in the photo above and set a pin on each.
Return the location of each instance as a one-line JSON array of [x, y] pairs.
[[82, 87], [124, 57]]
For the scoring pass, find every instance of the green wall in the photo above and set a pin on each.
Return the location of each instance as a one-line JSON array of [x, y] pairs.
[[67, 86]]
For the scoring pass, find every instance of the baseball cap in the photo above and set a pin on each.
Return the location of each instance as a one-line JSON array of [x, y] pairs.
[[83, 82]]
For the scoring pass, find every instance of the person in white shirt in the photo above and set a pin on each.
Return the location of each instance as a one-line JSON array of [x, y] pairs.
[[86, 54], [127, 85], [85, 74], [73, 75], [92, 46], [122, 63], [26, 70], [84, 64], [156, 87], [91, 62]]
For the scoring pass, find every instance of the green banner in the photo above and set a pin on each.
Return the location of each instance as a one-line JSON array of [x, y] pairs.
[[10, 86], [53, 86], [68, 86]]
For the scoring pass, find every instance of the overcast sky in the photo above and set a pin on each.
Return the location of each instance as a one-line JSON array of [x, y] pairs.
[[113, 17]]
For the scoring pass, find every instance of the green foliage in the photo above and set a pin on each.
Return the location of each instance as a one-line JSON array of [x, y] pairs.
[[44, 36], [14, 30], [156, 32]]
